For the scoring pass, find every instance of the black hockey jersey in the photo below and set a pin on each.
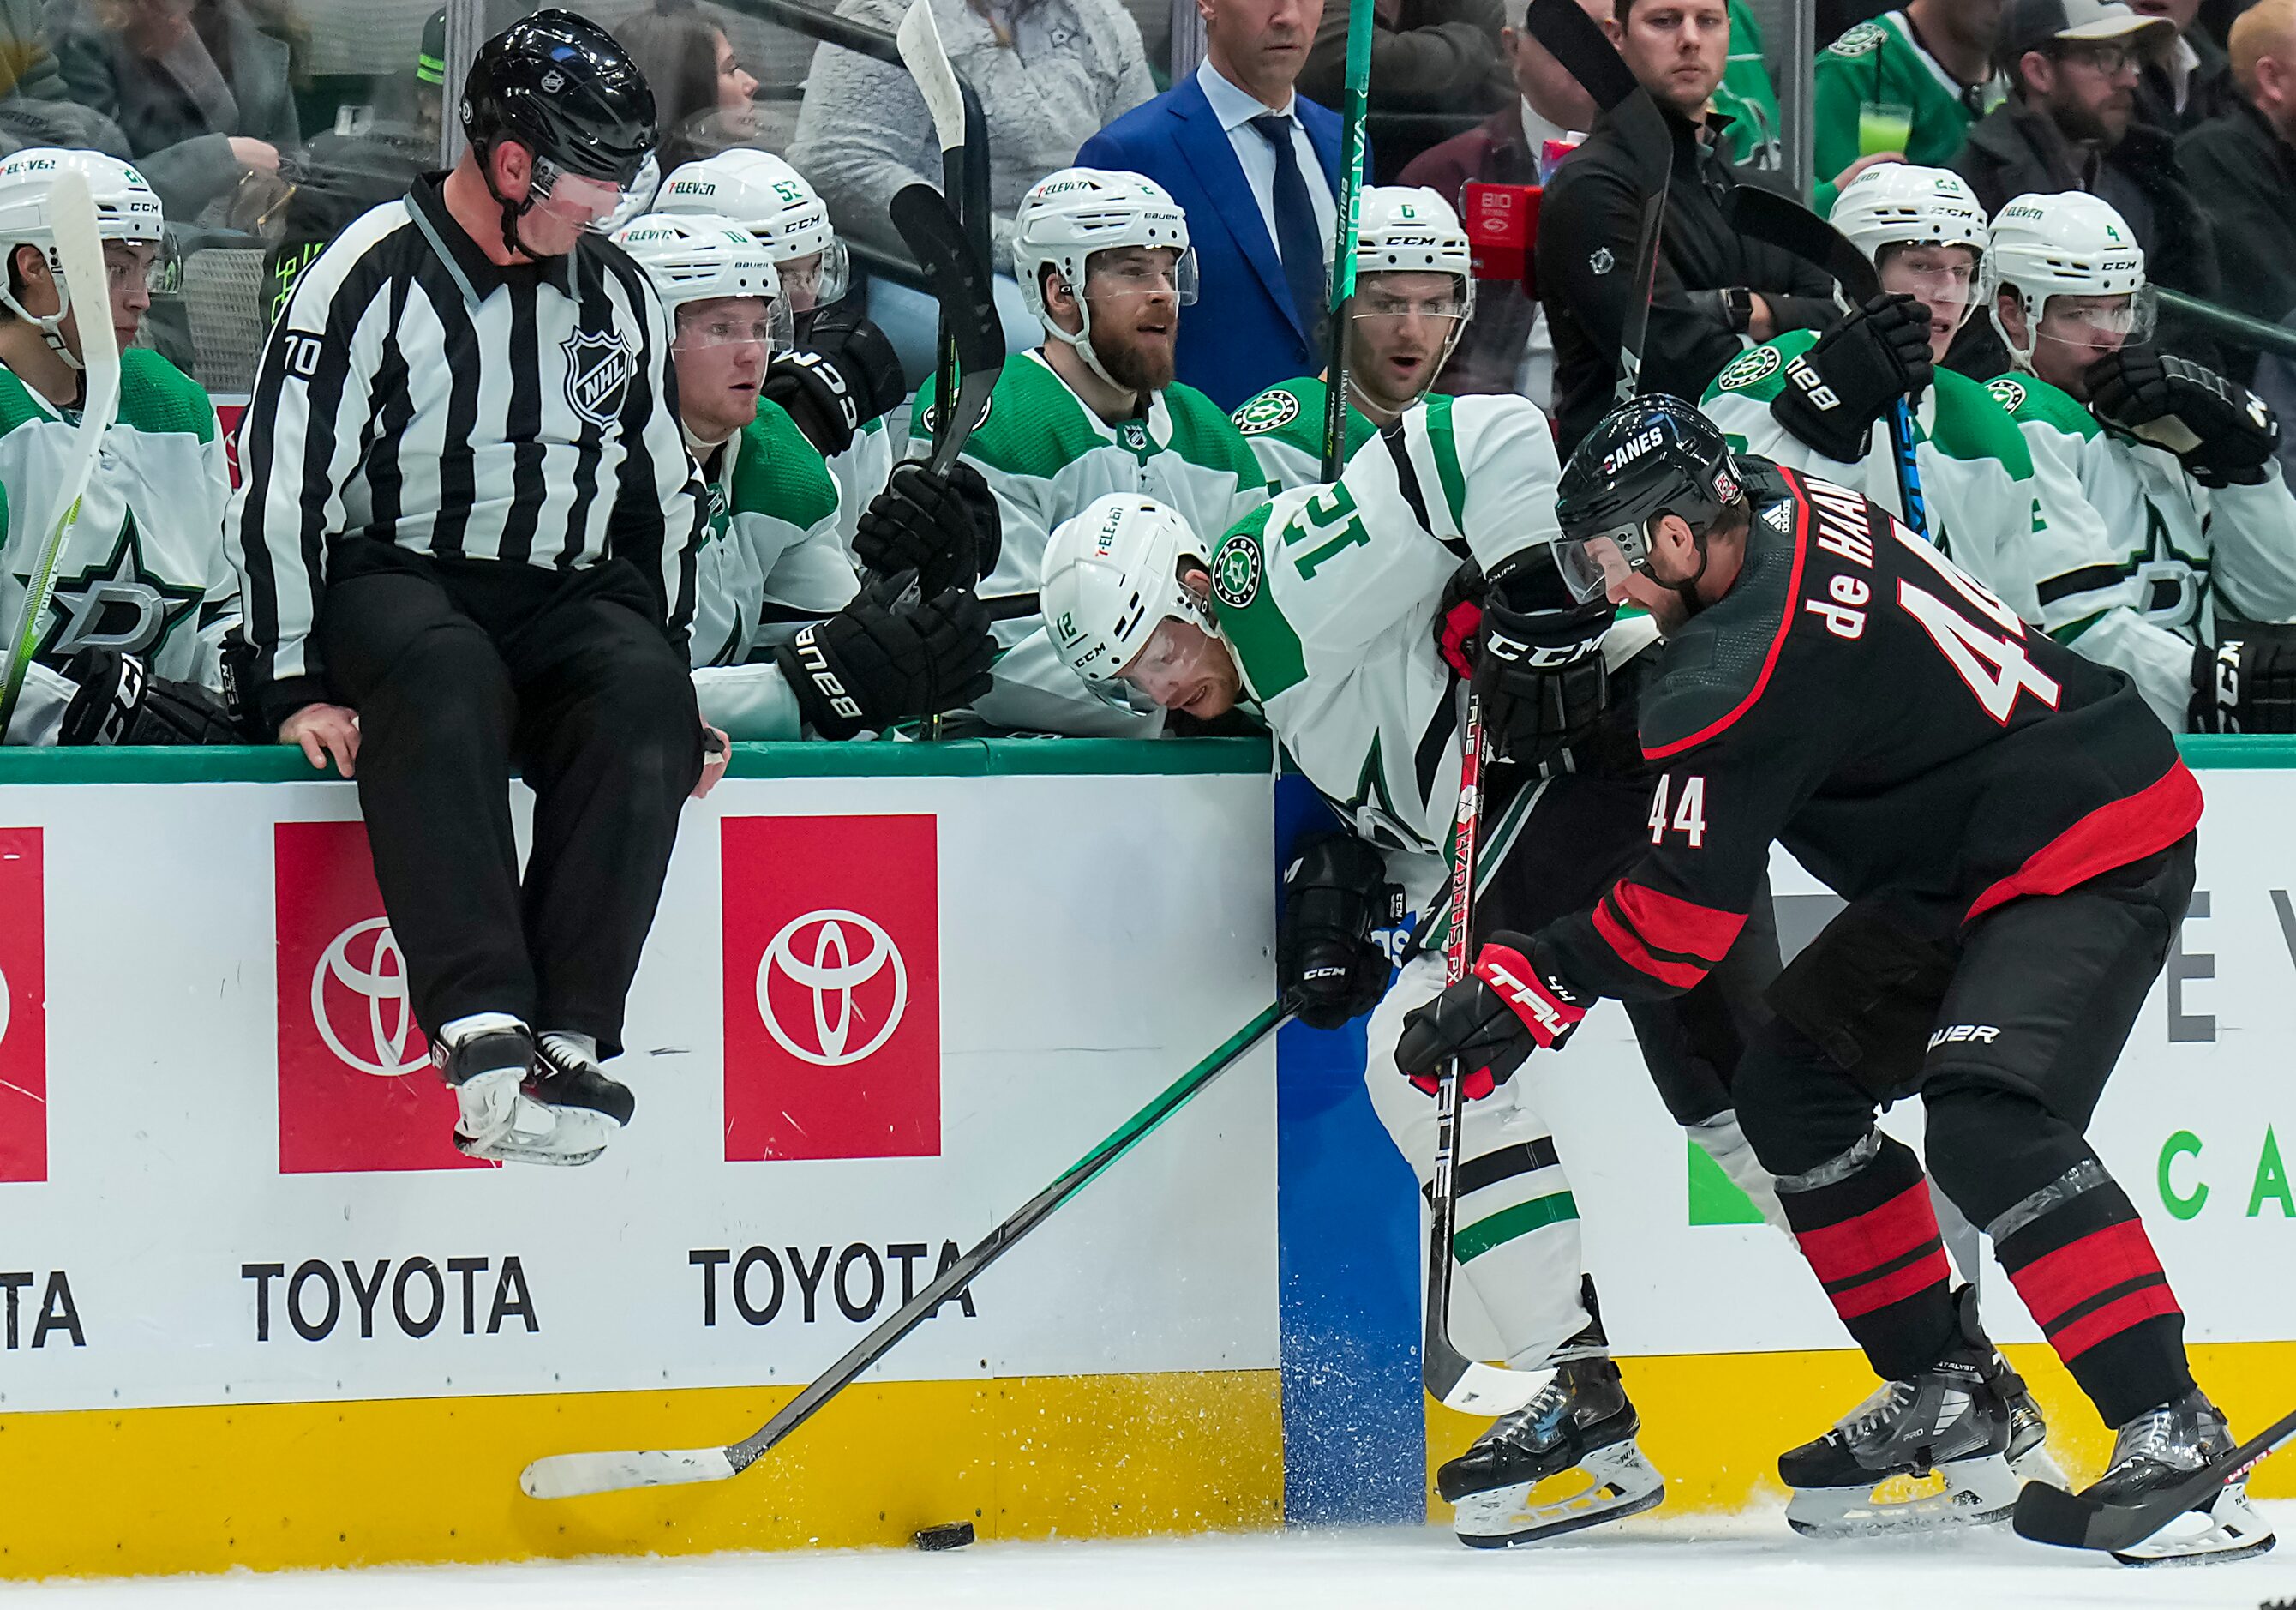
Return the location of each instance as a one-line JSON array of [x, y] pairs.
[[1859, 699]]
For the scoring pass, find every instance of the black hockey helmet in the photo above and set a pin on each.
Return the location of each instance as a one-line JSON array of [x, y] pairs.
[[1651, 455], [564, 88]]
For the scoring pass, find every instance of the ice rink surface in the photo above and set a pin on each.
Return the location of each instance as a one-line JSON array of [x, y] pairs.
[[1749, 1563]]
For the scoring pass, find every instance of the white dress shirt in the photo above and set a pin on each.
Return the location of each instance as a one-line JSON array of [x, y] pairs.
[[1235, 111]]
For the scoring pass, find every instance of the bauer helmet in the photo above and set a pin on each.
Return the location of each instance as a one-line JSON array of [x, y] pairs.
[[1650, 456], [694, 256], [1110, 577], [1408, 230], [2068, 244], [1069, 216], [566, 90], [127, 209], [771, 200]]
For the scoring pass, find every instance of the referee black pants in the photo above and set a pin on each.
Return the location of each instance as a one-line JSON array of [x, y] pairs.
[[463, 670]]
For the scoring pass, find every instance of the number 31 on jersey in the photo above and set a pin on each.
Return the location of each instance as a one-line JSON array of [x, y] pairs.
[[1689, 817]]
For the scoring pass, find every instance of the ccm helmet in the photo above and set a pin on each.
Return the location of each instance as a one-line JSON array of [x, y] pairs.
[[771, 200], [1653, 456], [1111, 576], [126, 210], [1408, 230], [2072, 244]]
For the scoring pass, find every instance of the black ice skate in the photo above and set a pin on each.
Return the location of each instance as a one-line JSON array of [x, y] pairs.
[[2159, 1449], [567, 1076], [491, 1064], [1919, 1455], [1583, 1421]]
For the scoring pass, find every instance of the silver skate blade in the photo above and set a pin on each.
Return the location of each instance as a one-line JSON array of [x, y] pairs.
[[553, 1137], [2037, 1464], [1620, 1483], [2227, 1530], [1975, 1492]]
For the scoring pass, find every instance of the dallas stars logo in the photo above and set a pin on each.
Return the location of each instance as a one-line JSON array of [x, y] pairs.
[[1235, 571], [1754, 364], [1269, 411], [115, 604]]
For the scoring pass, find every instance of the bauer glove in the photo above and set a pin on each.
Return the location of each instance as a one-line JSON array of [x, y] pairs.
[[873, 664], [1489, 1021], [1834, 392], [2220, 433]]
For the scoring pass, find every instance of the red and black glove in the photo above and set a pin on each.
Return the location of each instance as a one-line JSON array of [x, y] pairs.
[[1459, 618], [1489, 1021]]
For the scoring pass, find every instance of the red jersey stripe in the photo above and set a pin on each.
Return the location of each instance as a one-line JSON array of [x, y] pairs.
[[1671, 923], [1894, 1287], [1845, 1251], [1678, 976], [2114, 835], [2057, 1282], [2112, 1320]]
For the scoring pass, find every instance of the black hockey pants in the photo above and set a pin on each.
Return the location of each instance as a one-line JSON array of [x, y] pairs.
[[460, 671]]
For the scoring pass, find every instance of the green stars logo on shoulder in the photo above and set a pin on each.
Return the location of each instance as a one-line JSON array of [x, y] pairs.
[[1755, 363], [2009, 393], [1235, 571], [1268, 411], [1862, 40], [930, 418]]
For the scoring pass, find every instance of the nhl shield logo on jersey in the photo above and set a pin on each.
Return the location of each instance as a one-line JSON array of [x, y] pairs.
[[1134, 436], [1235, 571], [1754, 364], [1268, 411], [598, 371]]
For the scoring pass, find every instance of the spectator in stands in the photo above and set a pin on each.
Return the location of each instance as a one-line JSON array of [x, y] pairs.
[[1255, 165], [2189, 80], [1715, 287], [705, 101], [2241, 165], [34, 109], [2069, 124], [200, 92], [1746, 96], [1934, 60], [1505, 346], [1048, 73], [1426, 55]]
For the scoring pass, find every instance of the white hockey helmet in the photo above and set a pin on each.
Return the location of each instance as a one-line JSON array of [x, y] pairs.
[[774, 202], [2066, 244], [1899, 205], [1406, 229], [1068, 217], [697, 257], [127, 209], [1111, 576]]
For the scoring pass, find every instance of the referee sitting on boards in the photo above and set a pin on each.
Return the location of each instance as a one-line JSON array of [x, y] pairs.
[[466, 534]]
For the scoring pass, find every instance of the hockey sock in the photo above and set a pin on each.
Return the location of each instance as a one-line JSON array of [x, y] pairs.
[[1865, 1222], [2080, 1257]]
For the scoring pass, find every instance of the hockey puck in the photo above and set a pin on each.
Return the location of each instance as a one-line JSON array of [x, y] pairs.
[[938, 1539]]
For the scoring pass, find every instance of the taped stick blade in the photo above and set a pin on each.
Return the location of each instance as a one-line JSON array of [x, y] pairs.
[[918, 39], [566, 1475]]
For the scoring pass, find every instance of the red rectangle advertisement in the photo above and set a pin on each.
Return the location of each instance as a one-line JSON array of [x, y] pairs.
[[23, 1008], [357, 1090], [833, 986]]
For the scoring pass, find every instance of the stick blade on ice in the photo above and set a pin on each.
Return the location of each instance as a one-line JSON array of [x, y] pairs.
[[570, 1475], [2048, 1514]]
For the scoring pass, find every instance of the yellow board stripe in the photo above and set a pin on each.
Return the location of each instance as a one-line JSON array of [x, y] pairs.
[[434, 1480]]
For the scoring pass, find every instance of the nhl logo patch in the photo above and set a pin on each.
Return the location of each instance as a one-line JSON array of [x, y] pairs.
[[598, 370], [1235, 571], [1862, 40], [1601, 260], [1754, 364], [1268, 411], [1134, 436], [2009, 393]]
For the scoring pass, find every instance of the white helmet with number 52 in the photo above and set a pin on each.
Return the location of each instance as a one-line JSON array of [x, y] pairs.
[[1110, 577]]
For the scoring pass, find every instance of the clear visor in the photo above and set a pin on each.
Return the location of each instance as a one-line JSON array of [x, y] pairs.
[[1592, 565], [581, 202], [146, 266], [2088, 320], [1165, 670], [702, 327], [1380, 304], [817, 279], [1154, 271]]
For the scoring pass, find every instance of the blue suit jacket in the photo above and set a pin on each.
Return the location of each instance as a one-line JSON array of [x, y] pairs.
[[1243, 335]]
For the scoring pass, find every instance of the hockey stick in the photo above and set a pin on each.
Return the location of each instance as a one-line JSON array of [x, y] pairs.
[[2048, 1514], [1354, 103], [1795, 230], [566, 1475], [918, 40], [79, 252], [960, 282], [1453, 1379]]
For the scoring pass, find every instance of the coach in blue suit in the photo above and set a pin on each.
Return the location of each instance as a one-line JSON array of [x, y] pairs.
[[1255, 168]]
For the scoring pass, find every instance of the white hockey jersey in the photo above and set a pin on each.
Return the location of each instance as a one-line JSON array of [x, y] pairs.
[[145, 571], [1284, 425]]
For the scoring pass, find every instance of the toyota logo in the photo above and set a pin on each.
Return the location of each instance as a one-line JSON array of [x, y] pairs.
[[817, 952], [364, 960]]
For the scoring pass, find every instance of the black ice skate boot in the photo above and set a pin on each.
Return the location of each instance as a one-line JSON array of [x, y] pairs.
[[1919, 1455], [2159, 1449], [568, 1075], [1583, 1420], [490, 1060]]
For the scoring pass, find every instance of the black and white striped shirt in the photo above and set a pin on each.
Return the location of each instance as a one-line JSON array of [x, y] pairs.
[[413, 392]]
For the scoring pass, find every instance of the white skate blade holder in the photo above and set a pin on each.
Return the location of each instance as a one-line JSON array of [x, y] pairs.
[[1622, 1482], [502, 1123], [2048, 1514], [1975, 1492], [2228, 1529]]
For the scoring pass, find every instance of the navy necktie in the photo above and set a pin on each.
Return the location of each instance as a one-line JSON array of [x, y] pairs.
[[1298, 242]]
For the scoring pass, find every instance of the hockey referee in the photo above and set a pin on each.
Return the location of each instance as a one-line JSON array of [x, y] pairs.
[[466, 531]]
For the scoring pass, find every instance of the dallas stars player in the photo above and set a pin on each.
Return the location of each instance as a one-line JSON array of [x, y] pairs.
[[131, 647], [2176, 459], [772, 565], [1415, 294], [1103, 260]]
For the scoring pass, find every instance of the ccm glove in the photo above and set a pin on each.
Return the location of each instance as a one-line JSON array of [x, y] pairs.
[[1490, 1021], [1538, 663], [812, 391], [2244, 687], [943, 527], [1459, 618], [2220, 433], [1335, 895], [1834, 392], [120, 701], [870, 664], [862, 355]]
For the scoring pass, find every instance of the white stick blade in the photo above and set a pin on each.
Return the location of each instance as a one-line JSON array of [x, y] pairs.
[[1486, 1389], [71, 212], [921, 52], [570, 1475]]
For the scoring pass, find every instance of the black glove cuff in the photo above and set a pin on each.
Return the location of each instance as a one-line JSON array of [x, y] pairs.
[[827, 705]]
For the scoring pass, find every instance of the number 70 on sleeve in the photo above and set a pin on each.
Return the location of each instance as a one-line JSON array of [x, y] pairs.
[[1688, 817]]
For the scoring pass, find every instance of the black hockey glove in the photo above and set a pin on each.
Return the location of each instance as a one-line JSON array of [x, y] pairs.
[[1835, 391], [1489, 1021], [1538, 663], [1335, 894], [865, 358], [120, 701], [945, 529], [2220, 433], [873, 664], [2244, 687], [812, 391]]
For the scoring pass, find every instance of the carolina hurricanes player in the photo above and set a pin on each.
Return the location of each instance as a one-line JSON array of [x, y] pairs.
[[2014, 832]]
